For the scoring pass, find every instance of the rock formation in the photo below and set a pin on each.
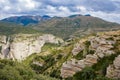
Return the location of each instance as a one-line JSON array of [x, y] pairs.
[[69, 68], [94, 48], [113, 71], [21, 46]]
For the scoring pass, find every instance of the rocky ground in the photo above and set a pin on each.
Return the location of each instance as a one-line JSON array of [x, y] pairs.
[[93, 49]]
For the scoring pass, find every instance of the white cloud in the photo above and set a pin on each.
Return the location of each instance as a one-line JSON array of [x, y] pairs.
[[106, 9], [64, 9], [81, 8], [50, 8], [6, 8], [2, 16], [62, 12], [28, 4], [112, 17]]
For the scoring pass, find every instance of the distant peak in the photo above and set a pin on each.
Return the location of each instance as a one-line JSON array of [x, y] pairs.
[[75, 15], [46, 16], [87, 15]]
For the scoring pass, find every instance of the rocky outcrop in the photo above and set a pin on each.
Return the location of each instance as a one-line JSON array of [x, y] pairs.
[[21, 46], [98, 46], [78, 47], [69, 68], [113, 71]]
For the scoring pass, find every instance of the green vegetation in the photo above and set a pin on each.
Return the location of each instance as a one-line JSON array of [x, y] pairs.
[[88, 73], [11, 70], [51, 59], [79, 56], [0, 48], [97, 71], [85, 74], [10, 28], [85, 51], [104, 63], [76, 26]]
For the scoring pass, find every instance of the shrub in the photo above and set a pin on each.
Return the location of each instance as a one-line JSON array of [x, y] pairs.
[[79, 55], [86, 74]]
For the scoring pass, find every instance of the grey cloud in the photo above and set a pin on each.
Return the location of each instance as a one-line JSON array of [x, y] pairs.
[[61, 7], [100, 5]]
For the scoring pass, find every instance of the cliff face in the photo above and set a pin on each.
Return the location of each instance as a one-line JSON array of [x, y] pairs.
[[22, 45], [88, 52]]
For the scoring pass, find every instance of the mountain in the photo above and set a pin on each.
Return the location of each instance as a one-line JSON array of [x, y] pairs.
[[75, 15], [25, 20], [74, 25], [72, 16], [65, 27]]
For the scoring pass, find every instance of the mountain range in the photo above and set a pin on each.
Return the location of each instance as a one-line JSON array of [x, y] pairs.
[[25, 20], [75, 26], [64, 27], [77, 47]]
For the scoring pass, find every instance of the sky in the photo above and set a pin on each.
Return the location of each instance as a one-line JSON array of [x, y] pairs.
[[106, 9]]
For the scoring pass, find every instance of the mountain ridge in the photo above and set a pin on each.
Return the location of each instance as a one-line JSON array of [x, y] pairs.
[[25, 20], [74, 26]]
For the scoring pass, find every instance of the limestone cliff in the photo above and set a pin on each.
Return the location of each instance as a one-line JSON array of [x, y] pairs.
[[20, 46]]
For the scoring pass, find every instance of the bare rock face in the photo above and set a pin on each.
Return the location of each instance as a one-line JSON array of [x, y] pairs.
[[117, 62], [23, 45], [69, 68], [4, 46], [77, 48], [2, 39], [113, 71]]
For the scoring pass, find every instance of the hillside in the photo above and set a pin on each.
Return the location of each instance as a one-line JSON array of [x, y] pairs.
[[7, 28], [95, 57], [77, 25]]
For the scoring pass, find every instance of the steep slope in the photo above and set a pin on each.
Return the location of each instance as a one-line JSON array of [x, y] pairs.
[[20, 46], [89, 56], [25, 20], [97, 52], [66, 27]]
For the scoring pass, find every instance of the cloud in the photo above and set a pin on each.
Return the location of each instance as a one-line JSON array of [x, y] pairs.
[[112, 17], [106, 9], [100, 5]]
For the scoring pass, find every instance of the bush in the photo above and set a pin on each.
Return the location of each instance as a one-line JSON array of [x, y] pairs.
[[91, 51], [9, 73], [79, 55], [86, 74], [102, 78]]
